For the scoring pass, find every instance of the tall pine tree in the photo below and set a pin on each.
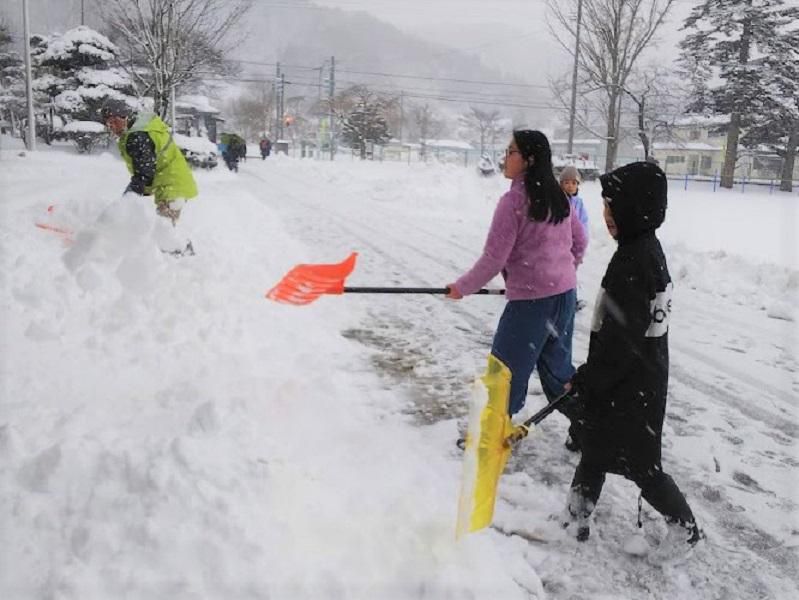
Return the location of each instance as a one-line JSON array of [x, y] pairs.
[[775, 124], [366, 122], [12, 80], [731, 35]]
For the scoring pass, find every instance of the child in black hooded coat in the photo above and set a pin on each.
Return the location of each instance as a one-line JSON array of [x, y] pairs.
[[622, 386]]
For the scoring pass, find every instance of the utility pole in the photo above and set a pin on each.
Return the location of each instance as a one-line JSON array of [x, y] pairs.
[[172, 109], [82, 13], [30, 139], [173, 66], [319, 121], [332, 116], [282, 102], [402, 114], [277, 102], [570, 145]]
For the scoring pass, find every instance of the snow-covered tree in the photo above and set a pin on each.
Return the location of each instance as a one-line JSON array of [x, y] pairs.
[[613, 35], [482, 126], [253, 112], [730, 36], [12, 80], [169, 44], [365, 122], [76, 72], [427, 124]]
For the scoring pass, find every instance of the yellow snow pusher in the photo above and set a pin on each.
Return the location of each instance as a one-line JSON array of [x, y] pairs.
[[488, 443]]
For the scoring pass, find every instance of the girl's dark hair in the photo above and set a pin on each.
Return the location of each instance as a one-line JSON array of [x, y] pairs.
[[547, 201]]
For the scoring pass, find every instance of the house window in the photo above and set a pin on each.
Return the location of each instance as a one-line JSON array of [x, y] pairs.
[[694, 134], [670, 160], [768, 166], [707, 163]]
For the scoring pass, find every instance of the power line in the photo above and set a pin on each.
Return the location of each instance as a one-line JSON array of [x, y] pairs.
[[450, 79], [512, 103], [402, 76], [388, 87]]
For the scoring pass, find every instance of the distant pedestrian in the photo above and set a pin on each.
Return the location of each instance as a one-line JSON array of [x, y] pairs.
[[570, 183], [265, 146], [230, 153]]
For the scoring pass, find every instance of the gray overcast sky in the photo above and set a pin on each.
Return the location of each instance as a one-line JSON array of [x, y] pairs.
[[507, 34]]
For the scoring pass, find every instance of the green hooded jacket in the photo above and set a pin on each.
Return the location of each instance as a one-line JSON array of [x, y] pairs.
[[173, 179]]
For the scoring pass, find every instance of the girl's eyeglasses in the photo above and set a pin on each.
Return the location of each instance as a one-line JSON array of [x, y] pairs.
[[509, 151]]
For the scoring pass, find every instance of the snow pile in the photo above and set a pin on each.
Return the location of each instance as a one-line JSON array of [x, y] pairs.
[[768, 287], [168, 433], [165, 432]]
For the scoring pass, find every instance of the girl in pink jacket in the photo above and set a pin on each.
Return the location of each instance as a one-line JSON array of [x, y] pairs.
[[536, 241]]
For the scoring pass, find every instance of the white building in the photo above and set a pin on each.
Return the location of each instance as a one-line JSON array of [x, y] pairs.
[[698, 146]]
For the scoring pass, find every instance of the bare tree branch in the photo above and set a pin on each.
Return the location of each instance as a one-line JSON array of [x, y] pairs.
[[171, 43], [614, 33]]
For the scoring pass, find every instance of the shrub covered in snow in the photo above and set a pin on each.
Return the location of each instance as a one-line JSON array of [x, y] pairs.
[[75, 72], [87, 135]]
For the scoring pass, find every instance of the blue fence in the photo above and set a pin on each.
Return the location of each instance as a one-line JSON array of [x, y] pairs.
[[742, 184]]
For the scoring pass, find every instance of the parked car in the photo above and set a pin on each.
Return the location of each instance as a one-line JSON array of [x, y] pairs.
[[587, 167], [199, 152]]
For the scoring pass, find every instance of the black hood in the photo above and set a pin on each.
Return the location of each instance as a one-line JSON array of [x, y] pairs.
[[637, 194]]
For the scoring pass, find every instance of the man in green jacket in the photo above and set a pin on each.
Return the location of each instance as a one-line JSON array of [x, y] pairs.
[[155, 162]]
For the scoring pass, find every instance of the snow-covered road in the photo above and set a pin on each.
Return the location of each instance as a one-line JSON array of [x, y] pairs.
[[732, 429]]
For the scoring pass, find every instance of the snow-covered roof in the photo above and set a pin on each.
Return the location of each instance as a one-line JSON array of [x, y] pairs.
[[458, 144], [198, 102], [580, 163], [681, 146], [703, 120], [581, 141], [83, 127]]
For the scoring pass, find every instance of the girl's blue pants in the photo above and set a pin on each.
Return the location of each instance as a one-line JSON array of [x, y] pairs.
[[536, 334]]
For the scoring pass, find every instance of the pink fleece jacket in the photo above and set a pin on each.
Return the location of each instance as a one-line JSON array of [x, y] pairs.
[[537, 259]]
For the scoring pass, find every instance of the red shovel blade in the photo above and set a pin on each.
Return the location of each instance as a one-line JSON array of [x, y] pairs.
[[305, 283], [65, 234]]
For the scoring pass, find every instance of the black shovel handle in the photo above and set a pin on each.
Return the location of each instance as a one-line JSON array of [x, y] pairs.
[[523, 429], [412, 290]]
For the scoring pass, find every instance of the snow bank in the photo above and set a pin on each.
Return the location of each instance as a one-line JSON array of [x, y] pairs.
[[168, 433]]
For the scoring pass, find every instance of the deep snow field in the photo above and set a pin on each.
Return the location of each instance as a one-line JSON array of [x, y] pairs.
[[167, 432]]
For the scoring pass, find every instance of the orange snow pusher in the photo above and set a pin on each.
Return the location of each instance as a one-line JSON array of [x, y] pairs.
[[305, 283]]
